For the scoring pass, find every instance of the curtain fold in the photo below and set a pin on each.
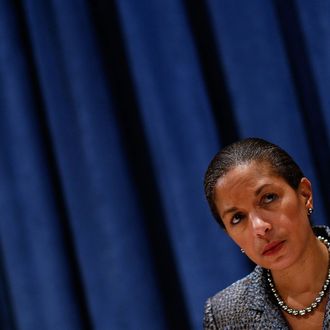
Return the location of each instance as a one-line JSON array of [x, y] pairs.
[[110, 113]]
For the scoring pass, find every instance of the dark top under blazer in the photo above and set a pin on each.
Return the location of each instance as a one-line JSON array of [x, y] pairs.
[[248, 303]]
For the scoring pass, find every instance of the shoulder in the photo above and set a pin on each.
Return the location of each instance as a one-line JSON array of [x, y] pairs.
[[228, 307]]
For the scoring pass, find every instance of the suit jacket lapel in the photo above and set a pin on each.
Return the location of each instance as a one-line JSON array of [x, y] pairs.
[[261, 306]]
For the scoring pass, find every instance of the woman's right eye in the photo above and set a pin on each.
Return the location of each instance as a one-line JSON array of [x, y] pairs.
[[236, 218]]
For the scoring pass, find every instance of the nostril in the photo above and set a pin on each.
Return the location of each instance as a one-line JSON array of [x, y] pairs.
[[260, 226]]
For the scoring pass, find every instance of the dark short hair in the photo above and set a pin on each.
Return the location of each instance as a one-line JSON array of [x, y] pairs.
[[246, 151]]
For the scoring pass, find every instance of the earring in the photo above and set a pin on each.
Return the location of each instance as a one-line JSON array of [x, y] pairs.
[[242, 251], [310, 211]]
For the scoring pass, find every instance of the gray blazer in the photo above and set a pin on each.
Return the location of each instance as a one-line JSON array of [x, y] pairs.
[[248, 304]]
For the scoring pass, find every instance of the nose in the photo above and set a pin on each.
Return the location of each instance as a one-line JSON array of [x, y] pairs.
[[259, 225]]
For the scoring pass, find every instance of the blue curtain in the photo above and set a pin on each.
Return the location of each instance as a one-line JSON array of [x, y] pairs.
[[110, 113]]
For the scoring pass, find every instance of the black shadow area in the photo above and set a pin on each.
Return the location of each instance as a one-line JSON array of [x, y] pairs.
[[211, 65], [306, 91], [110, 37], [7, 317]]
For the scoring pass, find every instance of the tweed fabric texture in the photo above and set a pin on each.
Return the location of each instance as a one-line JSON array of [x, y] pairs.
[[248, 303]]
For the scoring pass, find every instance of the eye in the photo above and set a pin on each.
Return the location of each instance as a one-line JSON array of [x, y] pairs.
[[268, 198], [237, 217]]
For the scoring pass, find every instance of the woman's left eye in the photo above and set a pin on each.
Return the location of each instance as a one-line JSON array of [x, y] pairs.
[[268, 198]]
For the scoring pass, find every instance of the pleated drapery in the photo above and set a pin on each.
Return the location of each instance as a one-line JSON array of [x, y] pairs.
[[110, 113]]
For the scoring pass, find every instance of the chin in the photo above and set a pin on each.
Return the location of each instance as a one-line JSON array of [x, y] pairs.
[[279, 265]]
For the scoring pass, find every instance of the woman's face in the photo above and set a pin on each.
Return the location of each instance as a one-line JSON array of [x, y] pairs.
[[264, 215]]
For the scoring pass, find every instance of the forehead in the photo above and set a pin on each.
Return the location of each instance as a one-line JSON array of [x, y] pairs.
[[246, 178]]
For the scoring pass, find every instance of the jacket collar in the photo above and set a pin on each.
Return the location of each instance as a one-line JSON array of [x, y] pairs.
[[325, 232], [261, 301]]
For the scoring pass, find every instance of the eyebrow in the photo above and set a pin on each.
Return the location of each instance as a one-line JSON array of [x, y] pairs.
[[231, 210], [256, 193]]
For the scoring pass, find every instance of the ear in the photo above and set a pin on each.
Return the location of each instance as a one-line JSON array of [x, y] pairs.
[[305, 191]]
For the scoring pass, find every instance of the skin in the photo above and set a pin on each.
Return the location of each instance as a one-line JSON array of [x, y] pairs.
[[268, 219]]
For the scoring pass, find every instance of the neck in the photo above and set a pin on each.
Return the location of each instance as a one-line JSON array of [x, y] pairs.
[[306, 275]]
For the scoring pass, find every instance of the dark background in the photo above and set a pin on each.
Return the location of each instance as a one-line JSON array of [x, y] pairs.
[[110, 112]]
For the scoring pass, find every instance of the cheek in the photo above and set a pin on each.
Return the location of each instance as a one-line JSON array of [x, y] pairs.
[[240, 237], [294, 212], [289, 211]]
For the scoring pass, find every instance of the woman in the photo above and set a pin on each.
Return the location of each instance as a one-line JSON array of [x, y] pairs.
[[260, 196]]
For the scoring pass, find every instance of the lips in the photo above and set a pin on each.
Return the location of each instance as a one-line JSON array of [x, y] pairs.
[[272, 248]]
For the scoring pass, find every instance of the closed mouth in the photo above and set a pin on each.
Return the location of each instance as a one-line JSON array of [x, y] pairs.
[[272, 248]]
